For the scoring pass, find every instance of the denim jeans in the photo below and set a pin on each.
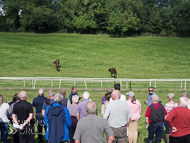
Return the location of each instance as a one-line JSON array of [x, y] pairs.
[[155, 128], [167, 127], [4, 131]]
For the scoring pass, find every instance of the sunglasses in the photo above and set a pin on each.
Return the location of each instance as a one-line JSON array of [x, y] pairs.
[[150, 90]]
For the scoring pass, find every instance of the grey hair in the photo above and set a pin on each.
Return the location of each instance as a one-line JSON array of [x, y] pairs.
[[22, 94], [183, 101], [86, 95], [185, 94], [1, 99], [117, 94], [58, 97], [40, 91], [51, 93], [171, 96], [75, 99], [91, 107], [155, 98]]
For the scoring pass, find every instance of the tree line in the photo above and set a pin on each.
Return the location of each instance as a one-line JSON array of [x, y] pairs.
[[120, 17]]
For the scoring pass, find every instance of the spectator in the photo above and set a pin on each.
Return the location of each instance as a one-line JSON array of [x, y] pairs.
[[91, 128], [155, 115], [169, 106], [58, 121], [119, 115], [81, 111], [4, 121], [10, 111], [186, 94], [22, 116], [108, 90], [38, 103], [135, 108], [103, 108], [73, 92], [65, 101], [179, 122], [123, 97], [14, 99], [72, 111], [48, 101], [151, 92]]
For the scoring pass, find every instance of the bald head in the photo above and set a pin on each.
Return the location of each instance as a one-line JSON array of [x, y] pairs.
[[91, 107], [116, 94], [41, 91], [23, 94], [183, 101], [155, 98]]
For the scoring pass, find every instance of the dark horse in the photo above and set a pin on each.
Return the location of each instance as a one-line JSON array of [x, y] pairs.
[[113, 71], [56, 64]]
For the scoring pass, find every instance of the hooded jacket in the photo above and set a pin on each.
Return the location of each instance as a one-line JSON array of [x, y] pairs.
[[58, 120]]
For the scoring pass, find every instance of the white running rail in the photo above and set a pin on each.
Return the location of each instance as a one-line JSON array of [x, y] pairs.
[[85, 80]]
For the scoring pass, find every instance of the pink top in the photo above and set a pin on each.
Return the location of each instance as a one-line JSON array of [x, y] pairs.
[[135, 109]]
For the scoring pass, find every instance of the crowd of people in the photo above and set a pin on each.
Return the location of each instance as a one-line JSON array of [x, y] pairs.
[[68, 120]]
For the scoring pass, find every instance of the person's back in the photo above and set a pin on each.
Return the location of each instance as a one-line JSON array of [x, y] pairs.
[[181, 121], [22, 110], [117, 109], [93, 128], [38, 103], [135, 109]]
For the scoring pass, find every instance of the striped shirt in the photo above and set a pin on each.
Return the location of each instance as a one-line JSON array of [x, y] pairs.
[[169, 106], [72, 109]]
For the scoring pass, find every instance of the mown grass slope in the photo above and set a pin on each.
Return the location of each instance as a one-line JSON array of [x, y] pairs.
[[29, 54]]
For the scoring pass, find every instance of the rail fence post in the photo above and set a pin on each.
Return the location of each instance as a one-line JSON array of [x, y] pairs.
[[185, 84], [24, 82], [130, 85], [35, 84], [52, 83], [85, 84]]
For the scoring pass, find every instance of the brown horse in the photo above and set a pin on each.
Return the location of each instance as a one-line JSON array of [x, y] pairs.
[[113, 71], [56, 64]]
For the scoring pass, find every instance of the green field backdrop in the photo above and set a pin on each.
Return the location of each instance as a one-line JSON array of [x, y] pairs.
[[90, 56]]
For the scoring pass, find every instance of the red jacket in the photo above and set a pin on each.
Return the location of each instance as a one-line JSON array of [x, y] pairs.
[[179, 117]]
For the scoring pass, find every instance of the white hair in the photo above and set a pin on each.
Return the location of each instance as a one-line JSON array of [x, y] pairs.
[[75, 99], [91, 107], [185, 94], [51, 93], [58, 97], [155, 98], [117, 94], [86, 95], [171, 96], [40, 91], [184, 100], [22, 94]]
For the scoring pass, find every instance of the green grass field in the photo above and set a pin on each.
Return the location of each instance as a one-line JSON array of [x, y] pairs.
[[28, 54], [90, 56]]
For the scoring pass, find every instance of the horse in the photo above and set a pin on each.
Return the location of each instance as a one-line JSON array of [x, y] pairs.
[[56, 64], [113, 71]]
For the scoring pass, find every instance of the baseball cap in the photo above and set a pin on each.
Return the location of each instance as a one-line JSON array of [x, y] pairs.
[[130, 94], [109, 89]]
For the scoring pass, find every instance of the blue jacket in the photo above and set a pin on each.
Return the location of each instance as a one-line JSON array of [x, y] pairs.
[[149, 101], [58, 130]]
